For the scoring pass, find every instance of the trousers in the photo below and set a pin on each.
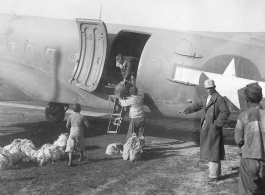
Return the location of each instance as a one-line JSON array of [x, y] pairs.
[[251, 177], [137, 125], [215, 169]]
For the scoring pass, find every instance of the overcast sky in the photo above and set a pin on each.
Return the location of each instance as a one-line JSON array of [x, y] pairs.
[[202, 15]]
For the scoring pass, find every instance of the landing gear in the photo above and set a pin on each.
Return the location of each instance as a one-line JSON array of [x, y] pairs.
[[55, 112]]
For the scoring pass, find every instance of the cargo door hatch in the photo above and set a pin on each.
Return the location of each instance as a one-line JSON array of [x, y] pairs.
[[92, 54]]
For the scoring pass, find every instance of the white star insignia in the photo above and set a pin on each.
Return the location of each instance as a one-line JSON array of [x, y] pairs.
[[227, 84]]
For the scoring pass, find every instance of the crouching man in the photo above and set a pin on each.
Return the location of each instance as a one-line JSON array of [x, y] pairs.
[[250, 136]]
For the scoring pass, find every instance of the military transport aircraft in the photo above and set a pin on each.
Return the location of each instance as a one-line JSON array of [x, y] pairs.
[[64, 61]]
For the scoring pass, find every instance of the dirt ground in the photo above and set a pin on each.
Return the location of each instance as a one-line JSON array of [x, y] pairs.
[[170, 165]]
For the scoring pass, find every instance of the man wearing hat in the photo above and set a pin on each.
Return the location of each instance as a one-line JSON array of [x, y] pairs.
[[214, 115], [250, 137]]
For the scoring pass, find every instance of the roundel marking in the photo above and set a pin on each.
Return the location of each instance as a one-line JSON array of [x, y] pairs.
[[231, 74]]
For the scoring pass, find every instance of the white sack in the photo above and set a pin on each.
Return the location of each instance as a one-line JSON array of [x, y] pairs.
[[55, 153], [5, 159], [127, 146], [62, 140], [15, 146], [114, 149], [18, 156]]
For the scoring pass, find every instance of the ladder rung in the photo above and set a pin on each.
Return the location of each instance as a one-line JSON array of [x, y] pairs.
[[112, 132]]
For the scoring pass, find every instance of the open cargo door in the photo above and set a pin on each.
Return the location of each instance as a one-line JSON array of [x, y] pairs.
[[93, 47]]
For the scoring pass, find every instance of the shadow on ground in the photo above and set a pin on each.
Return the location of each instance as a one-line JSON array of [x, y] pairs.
[[231, 175], [45, 132]]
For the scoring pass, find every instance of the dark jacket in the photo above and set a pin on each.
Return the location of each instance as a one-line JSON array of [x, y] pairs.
[[215, 115], [129, 68]]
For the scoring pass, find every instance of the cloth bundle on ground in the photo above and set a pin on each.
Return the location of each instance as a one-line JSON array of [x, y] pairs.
[[133, 148], [62, 141], [24, 150], [21, 150], [114, 149], [5, 159], [52, 152], [49, 153], [29, 149]]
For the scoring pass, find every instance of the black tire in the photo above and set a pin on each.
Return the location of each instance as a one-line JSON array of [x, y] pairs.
[[57, 117]]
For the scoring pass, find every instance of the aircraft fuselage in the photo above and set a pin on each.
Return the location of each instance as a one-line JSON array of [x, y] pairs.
[[38, 58]]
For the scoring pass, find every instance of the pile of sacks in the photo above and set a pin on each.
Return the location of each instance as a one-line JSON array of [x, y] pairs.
[[132, 150], [24, 150]]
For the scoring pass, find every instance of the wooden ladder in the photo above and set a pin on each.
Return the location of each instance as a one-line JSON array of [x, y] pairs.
[[116, 118]]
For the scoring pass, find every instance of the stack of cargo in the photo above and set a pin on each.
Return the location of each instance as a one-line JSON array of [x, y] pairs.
[[20, 150], [52, 152], [24, 150], [49, 153], [28, 148]]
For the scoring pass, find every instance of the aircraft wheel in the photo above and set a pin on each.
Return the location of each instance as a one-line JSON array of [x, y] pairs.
[[55, 112]]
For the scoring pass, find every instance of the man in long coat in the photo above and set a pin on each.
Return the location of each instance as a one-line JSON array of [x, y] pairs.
[[214, 115]]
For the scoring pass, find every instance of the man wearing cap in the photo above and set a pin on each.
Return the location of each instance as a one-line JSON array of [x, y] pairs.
[[214, 115], [250, 136], [128, 66]]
